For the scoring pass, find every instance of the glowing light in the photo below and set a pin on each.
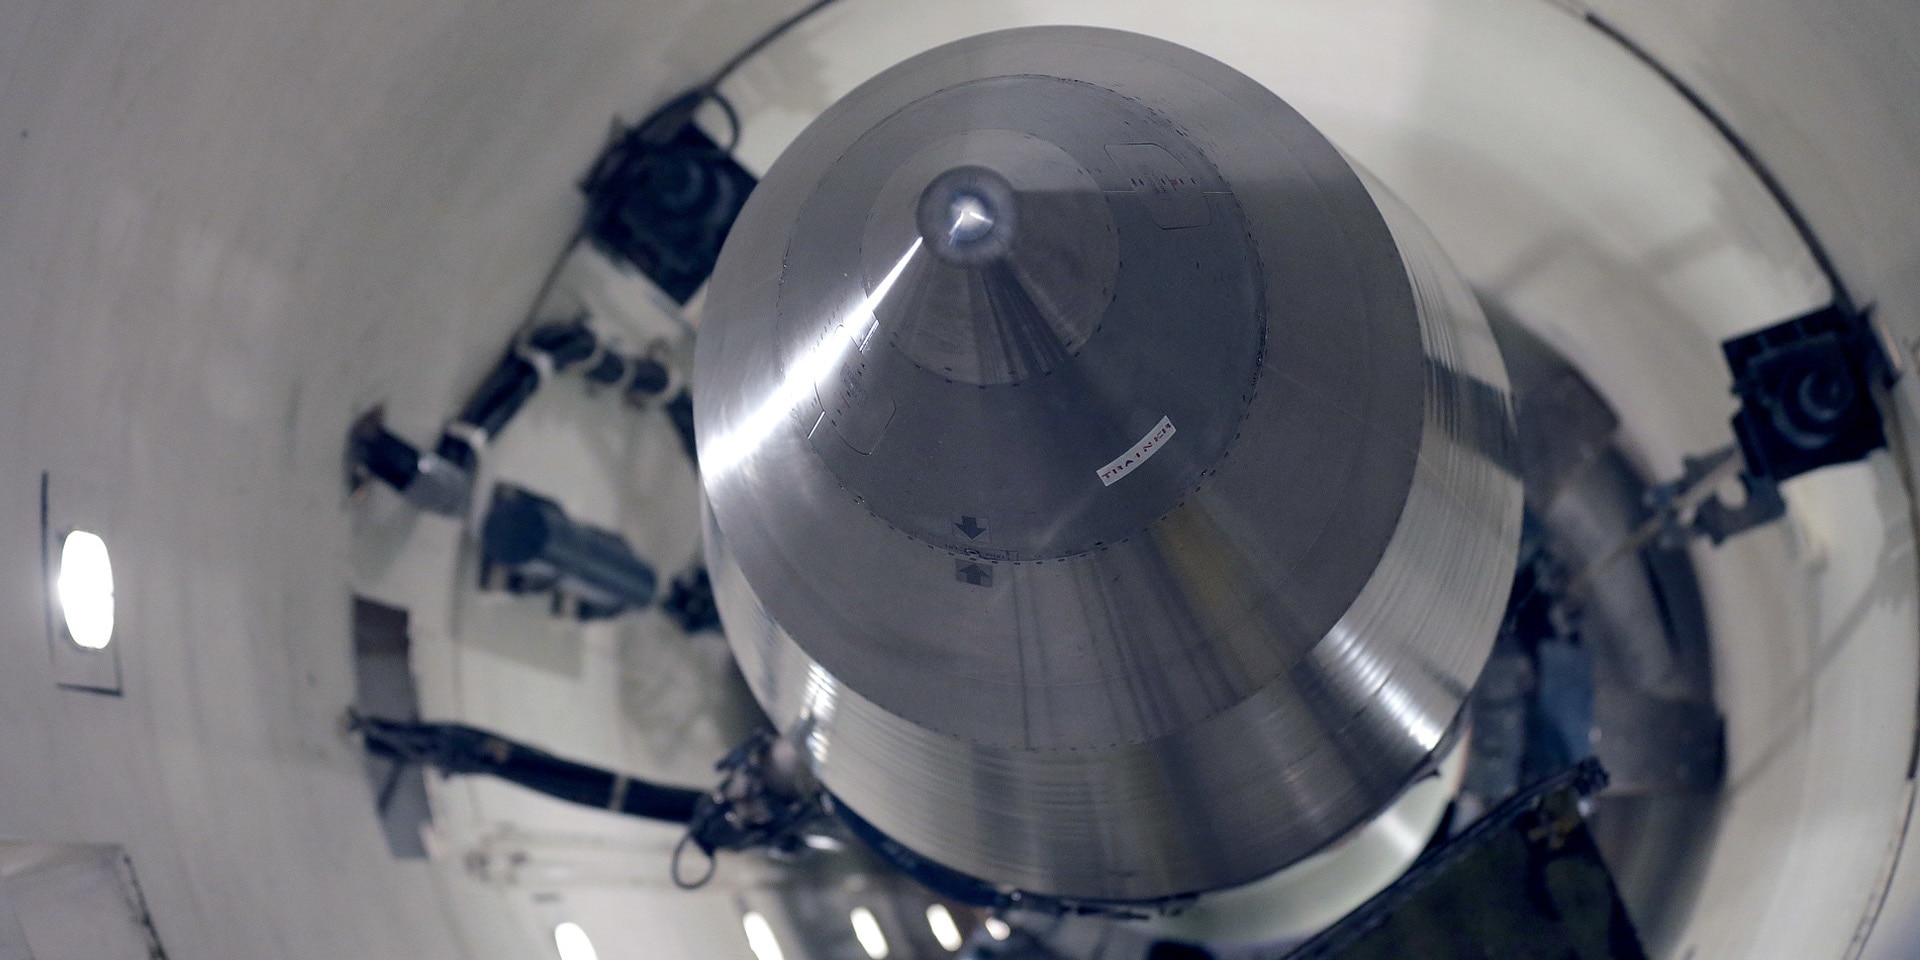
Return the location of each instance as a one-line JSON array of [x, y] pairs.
[[760, 937], [997, 928], [944, 929], [822, 693], [85, 588], [867, 930], [573, 943], [802, 379], [1416, 720], [1345, 660], [970, 219], [866, 316]]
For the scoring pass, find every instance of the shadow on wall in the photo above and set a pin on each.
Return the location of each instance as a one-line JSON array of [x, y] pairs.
[[72, 901]]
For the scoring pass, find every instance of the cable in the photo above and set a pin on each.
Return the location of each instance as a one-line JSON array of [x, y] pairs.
[[666, 122], [456, 749], [709, 91], [776, 32], [1768, 182], [1688, 494], [673, 866], [658, 129]]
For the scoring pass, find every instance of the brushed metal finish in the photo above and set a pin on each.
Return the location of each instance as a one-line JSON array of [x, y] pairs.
[[1128, 520]]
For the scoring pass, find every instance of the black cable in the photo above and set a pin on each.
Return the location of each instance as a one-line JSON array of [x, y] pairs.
[[661, 127], [455, 748], [718, 99], [1801, 225], [679, 851], [666, 122], [776, 32], [669, 119]]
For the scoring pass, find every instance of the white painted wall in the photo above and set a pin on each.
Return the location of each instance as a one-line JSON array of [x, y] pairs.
[[226, 226]]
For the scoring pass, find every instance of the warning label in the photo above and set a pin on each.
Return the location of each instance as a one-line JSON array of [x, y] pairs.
[[1131, 460]]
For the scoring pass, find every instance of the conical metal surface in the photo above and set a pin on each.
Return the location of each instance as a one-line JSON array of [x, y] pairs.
[[1108, 485]]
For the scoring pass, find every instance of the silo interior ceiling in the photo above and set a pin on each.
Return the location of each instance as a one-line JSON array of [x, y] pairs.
[[228, 229]]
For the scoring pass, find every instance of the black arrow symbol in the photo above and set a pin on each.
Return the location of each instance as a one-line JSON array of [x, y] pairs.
[[971, 526], [973, 573]]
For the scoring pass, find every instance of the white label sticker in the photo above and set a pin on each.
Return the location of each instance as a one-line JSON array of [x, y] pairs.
[[1131, 460]]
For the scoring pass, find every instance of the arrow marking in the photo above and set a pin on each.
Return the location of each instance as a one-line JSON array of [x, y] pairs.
[[967, 571]]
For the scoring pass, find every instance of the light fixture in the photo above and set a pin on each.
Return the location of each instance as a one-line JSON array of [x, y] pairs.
[[760, 937], [820, 841], [85, 588], [997, 928], [573, 943], [867, 930], [944, 929]]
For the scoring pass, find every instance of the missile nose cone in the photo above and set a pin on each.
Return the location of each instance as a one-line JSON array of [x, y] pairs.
[[971, 220], [1108, 484], [967, 216]]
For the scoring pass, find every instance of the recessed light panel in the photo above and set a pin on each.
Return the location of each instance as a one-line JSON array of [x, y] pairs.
[[760, 937], [573, 943], [85, 588], [940, 920], [866, 928]]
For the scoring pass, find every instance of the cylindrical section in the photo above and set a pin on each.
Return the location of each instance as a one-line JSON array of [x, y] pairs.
[[1144, 556], [526, 530]]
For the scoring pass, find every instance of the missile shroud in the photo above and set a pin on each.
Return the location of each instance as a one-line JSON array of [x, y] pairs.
[[1109, 485]]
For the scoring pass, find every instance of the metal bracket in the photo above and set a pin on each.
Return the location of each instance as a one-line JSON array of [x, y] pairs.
[[1695, 492], [1806, 401], [1806, 392]]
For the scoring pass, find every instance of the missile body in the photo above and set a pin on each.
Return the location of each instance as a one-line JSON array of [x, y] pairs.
[[1110, 486]]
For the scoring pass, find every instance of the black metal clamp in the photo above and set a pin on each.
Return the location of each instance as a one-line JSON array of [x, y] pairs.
[[1806, 389]]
